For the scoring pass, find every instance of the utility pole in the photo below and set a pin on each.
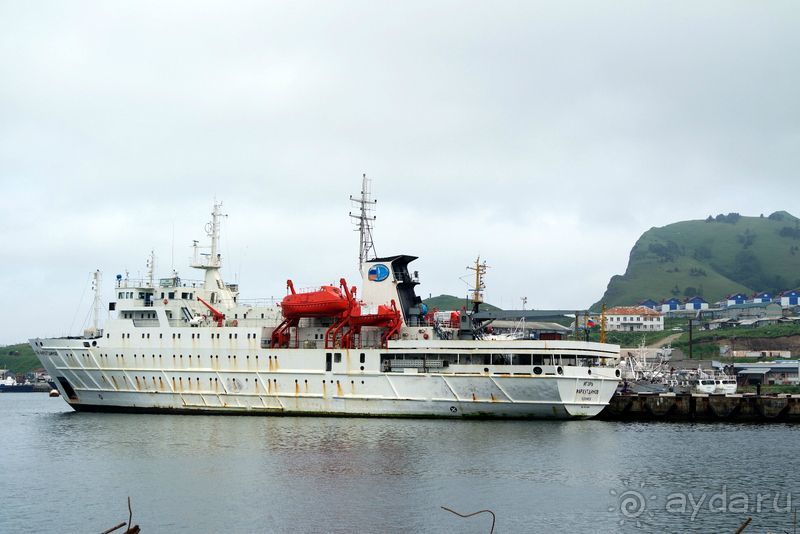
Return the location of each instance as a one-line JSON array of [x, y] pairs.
[[690, 338]]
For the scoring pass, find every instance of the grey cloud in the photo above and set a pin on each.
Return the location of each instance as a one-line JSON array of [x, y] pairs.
[[545, 136]]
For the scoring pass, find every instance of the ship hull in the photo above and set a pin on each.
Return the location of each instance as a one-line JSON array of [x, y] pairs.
[[287, 382]]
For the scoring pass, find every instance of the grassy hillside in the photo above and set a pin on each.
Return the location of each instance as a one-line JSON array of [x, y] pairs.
[[449, 302], [19, 359], [711, 258]]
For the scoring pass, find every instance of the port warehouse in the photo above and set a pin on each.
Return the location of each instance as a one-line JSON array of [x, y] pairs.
[[782, 372]]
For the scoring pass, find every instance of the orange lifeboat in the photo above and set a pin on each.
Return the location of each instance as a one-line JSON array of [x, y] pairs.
[[327, 301], [383, 317]]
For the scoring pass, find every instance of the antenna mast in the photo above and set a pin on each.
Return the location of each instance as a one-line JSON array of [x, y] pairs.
[[151, 269], [477, 291], [213, 260], [97, 278], [364, 218]]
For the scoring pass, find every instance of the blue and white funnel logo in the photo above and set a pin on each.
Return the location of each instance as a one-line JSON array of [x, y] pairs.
[[378, 273]]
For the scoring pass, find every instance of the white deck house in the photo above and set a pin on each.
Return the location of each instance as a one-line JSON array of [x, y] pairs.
[[633, 319]]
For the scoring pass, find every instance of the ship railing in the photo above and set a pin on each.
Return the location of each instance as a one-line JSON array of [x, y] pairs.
[[313, 289], [269, 302], [141, 283], [135, 283]]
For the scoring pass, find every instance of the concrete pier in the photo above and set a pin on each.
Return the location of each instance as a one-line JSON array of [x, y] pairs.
[[698, 407]]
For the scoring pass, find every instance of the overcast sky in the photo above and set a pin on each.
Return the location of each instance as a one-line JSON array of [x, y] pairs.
[[544, 136]]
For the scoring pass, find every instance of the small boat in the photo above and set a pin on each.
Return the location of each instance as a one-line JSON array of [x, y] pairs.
[[10, 385], [327, 301], [725, 385]]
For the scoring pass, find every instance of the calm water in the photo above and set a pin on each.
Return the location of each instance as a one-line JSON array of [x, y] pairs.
[[70, 472]]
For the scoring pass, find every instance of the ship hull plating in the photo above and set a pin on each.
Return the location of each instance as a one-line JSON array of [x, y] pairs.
[[286, 382]]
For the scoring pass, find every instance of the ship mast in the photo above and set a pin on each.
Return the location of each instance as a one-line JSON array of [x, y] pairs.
[[213, 261], [603, 323], [364, 218], [151, 269], [97, 278], [477, 290]]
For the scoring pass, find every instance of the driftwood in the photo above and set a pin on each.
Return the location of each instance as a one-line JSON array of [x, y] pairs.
[[491, 531], [131, 529]]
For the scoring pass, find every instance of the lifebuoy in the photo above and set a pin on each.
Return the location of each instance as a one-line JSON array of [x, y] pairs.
[[425, 336], [234, 323], [166, 301]]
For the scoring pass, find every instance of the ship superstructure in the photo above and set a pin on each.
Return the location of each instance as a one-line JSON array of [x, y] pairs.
[[192, 346]]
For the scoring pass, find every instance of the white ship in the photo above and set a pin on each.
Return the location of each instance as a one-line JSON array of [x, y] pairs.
[[181, 346]]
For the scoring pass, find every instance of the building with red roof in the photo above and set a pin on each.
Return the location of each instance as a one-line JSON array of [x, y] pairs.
[[633, 319]]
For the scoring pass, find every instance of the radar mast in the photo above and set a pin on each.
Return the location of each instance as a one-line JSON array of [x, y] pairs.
[[477, 290], [364, 219]]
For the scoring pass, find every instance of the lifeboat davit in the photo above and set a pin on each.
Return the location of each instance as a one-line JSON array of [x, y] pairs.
[[327, 301]]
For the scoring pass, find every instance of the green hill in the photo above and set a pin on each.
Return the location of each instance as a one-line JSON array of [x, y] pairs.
[[19, 359], [711, 258], [449, 302]]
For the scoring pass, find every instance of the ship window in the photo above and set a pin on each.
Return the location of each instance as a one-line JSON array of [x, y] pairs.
[[362, 359], [328, 361], [337, 357], [171, 295], [521, 359], [501, 359]]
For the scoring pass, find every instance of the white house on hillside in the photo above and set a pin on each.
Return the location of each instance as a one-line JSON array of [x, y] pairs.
[[633, 319]]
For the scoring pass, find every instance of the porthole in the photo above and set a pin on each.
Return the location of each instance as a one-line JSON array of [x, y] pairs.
[[485, 369], [537, 370], [617, 373], [559, 370], [589, 372], [362, 367]]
